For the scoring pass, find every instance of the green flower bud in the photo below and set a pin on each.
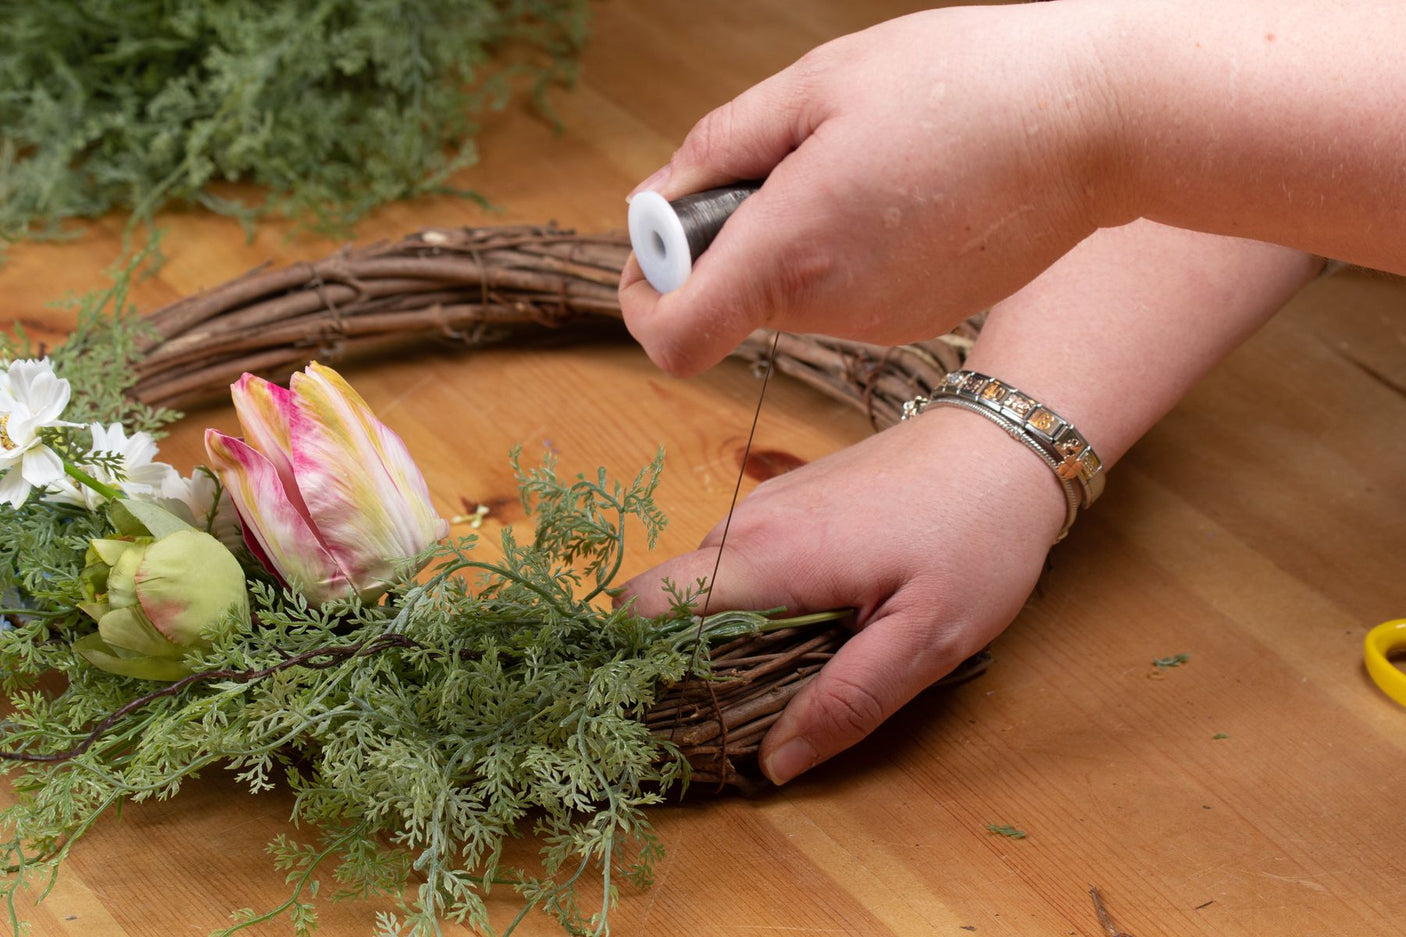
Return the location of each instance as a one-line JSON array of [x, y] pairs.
[[157, 593]]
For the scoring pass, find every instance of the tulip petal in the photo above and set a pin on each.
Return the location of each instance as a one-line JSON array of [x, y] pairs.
[[373, 518], [282, 532], [109, 550], [121, 578], [145, 518], [266, 411]]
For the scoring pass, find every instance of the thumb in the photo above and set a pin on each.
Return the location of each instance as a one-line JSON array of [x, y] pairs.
[[872, 675], [762, 257], [652, 593], [776, 252]]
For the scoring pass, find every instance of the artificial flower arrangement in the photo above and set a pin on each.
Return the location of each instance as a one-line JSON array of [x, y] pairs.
[[296, 612]]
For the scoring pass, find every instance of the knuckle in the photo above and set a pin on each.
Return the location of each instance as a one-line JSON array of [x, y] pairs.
[[939, 647], [673, 359], [816, 80], [942, 652], [847, 708], [808, 71], [712, 138]]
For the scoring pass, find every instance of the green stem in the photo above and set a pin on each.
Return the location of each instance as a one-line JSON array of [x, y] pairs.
[[109, 492], [564, 886], [724, 626], [800, 621], [511, 576], [619, 550], [35, 613], [300, 883]]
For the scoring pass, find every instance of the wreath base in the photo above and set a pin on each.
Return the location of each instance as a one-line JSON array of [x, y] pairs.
[[478, 287]]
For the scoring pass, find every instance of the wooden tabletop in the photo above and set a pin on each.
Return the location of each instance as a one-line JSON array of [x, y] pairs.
[[1256, 790]]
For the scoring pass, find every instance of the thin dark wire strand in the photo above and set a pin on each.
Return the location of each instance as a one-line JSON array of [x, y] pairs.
[[722, 769], [741, 473]]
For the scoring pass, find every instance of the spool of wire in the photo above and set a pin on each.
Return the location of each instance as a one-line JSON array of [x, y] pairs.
[[668, 237]]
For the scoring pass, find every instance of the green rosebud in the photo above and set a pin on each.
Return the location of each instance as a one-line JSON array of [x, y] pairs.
[[157, 591]]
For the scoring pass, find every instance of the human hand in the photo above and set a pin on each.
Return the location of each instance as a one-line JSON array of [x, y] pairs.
[[934, 530], [915, 172]]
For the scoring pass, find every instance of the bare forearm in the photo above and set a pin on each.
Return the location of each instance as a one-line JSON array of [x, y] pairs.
[[1278, 120], [1118, 330]]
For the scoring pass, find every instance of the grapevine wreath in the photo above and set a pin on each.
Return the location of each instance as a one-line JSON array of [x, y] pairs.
[[419, 722]]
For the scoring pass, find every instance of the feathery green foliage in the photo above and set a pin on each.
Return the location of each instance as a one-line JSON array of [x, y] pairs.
[[478, 701], [333, 106]]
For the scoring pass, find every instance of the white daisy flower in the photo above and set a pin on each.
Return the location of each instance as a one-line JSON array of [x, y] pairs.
[[193, 499], [141, 477], [32, 397]]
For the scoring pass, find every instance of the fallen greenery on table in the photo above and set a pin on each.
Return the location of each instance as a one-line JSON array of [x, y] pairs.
[[333, 107]]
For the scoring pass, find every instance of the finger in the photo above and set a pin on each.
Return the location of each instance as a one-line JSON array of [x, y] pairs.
[[875, 673], [651, 591], [780, 248], [744, 579], [631, 274], [638, 300], [636, 296], [744, 138], [734, 586]]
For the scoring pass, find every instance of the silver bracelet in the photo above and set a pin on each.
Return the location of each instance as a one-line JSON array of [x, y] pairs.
[[1050, 436]]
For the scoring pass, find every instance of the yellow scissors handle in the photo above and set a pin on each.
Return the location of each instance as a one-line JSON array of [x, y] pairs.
[[1382, 641]]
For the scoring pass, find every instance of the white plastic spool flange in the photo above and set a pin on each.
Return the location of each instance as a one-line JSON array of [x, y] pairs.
[[659, 241]]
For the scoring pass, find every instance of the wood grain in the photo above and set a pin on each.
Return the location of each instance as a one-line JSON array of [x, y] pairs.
[[1259, 530]]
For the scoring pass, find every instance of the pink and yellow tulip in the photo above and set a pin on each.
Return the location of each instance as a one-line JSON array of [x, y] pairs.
[[329, 497]]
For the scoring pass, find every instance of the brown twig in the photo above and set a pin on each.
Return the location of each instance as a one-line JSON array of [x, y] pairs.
[[473, 287]]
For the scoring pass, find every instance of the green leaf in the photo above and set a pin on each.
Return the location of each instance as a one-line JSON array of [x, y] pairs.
[[138, 518], [113, 660]]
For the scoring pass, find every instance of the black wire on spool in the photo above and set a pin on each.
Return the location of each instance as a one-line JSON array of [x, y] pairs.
[[668, 237]]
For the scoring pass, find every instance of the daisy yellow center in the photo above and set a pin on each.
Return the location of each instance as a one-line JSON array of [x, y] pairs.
[[5, 439]]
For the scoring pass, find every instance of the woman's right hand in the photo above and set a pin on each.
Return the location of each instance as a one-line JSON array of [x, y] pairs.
[[916, 172]]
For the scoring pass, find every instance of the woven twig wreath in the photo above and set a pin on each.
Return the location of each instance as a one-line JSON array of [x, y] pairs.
[[483, 286]]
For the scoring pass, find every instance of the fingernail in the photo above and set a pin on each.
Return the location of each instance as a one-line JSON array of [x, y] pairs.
[[791, 759], [655, 180]]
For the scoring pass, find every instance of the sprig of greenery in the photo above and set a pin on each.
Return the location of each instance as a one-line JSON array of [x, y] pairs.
[[333, 107], [479, 702]]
